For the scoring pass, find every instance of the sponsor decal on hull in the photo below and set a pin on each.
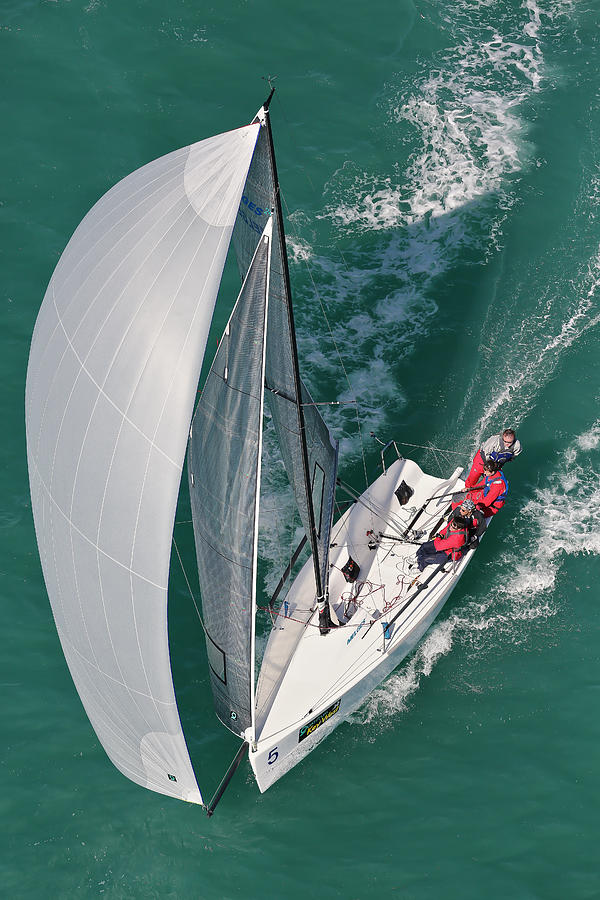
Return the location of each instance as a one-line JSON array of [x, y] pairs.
[[356, 630], [312, 726]]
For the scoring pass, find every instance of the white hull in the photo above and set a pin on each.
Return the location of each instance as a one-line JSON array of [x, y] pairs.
[[328, 677]]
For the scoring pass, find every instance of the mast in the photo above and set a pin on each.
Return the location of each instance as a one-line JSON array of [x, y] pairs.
[[296, 371]]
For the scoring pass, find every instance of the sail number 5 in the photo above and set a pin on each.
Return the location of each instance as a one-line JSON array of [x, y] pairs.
[[272, 757]]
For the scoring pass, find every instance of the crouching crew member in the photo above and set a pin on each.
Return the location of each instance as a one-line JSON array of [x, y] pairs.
[[474, 517], [499, 448], [446, 545]]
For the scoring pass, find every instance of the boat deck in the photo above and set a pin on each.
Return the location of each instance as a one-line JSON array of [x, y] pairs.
[[382, 615]]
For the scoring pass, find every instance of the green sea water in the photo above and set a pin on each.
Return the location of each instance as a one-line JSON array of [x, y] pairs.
[[440, 167]]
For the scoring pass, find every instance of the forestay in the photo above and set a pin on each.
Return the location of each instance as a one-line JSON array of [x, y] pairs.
[[112, 376]]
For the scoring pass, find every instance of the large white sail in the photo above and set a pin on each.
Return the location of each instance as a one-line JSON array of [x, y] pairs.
[[113, 371]]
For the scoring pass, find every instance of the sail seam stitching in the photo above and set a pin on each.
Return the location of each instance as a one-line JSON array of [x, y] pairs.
[[88, 539], [103, 393]]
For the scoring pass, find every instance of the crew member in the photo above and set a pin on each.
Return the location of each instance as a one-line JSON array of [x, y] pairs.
[[446, 545], [490, 494], [500, 448], [467, 510]]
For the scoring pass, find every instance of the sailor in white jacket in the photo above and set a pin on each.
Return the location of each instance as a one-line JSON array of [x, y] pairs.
[[500, 447]]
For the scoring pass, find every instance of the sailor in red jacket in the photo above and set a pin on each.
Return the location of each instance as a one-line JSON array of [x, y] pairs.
[[490, 494], [446, 545]]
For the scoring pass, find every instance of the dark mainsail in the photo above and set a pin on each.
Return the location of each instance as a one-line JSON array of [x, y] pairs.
[[309, 452]]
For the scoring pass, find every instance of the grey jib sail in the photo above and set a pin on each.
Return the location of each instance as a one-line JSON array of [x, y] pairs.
[[315, 487], [223, 471]]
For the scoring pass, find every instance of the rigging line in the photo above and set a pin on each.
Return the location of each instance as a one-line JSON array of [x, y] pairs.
[[357, 598], [342, 528], [353, 669], [331, 335], [286, 558], [295, 367], [384, 513], [344, 260], [343, 525], [330, 403], [228, 384], [443, 454], [360, 664], [439, 454], [360, 436], [445, 457], [362, 447], [352, 672], [189, 585], [281, 111], [318, 296], [430, 447], [321, 304], [288, 570]]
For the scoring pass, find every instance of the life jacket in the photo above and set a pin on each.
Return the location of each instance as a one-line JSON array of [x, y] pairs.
[[473, 518], [476, 520], [498, 503], [501, 456], [495, 448], [477, 526]]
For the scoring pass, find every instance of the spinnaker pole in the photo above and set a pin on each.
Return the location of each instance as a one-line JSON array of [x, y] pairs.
[[227, 778]]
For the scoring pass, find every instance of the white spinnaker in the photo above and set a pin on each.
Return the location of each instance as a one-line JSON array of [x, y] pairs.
[[113, 370]]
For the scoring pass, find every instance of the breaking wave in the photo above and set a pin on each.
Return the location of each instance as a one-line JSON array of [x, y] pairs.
[[461, 118], [531, 354], [461, 126], [565, 516]]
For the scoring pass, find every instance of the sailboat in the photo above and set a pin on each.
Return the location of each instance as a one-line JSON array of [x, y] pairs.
[[111, 413]]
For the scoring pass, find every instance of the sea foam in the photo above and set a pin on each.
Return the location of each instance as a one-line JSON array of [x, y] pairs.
[[567, 310], [467, 141]]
